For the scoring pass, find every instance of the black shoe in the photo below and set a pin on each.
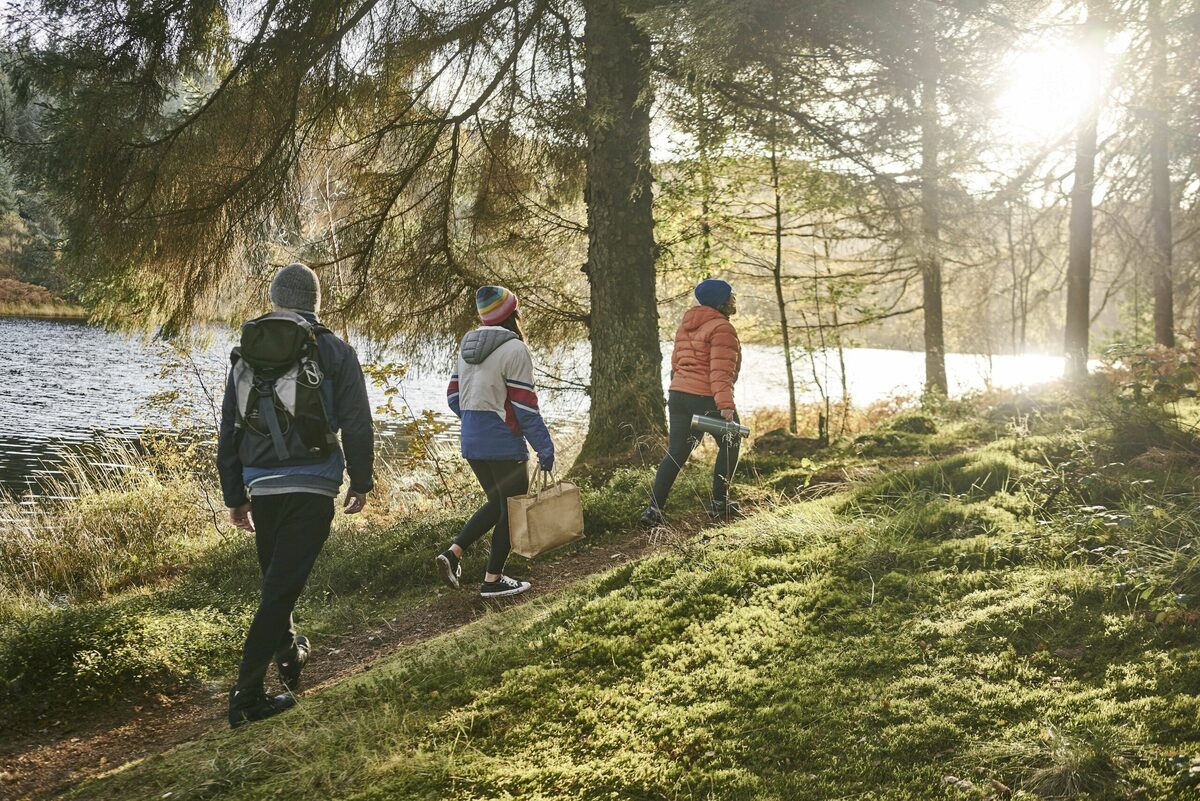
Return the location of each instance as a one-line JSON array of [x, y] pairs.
[[652, 517], [725, 511], [450, 567], [291, 662], [503, 587], [246, 706]]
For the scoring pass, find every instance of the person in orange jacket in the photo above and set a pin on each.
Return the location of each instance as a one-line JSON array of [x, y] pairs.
[[704, 368]]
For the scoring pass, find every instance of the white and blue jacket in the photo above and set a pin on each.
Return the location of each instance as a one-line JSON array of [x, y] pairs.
[[492, 392]]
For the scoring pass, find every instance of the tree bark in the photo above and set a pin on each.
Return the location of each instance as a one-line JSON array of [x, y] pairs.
[[1160, 182], [1079, 259], [705, 184], [626, 383], [930, 259], [777, 271], [1016, 279]]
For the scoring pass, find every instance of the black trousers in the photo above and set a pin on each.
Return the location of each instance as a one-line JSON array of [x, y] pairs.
[[500, 481], [680, 407], [290, 530]]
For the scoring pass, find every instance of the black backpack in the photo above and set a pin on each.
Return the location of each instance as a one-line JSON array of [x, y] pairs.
[[281, 415]]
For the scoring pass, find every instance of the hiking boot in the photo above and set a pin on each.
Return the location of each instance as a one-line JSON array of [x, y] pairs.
[[450, 566], [725, 511], [503, 587], [652, 517], [291, 663], [247, 706]]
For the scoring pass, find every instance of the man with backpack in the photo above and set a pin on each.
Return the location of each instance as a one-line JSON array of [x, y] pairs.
[[292, 387]]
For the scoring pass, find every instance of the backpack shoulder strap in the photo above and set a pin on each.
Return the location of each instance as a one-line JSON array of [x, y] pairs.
[[266, 411]]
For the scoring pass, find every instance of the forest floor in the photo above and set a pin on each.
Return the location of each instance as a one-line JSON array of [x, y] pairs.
[[1002, 608]]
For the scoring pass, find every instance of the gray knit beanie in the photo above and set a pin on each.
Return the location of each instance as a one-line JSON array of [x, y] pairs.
[[296, 287]]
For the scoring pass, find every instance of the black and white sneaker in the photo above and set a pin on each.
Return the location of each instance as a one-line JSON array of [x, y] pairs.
[[291, 662], [503, 587], [450, 566]]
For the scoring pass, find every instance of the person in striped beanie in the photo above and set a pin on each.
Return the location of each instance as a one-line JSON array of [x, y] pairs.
[[495, 304], [492, 392]]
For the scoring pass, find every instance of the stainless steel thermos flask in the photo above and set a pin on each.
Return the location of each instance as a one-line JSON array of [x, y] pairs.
[[718, 427]]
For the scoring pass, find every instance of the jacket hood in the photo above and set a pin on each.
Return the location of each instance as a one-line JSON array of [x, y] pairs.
[[697, 316], [477, 345]]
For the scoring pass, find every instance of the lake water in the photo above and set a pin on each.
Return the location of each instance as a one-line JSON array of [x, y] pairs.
[[67, 385]]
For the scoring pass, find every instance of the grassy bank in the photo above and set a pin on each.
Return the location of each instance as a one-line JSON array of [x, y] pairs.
[[52, 309], [132, 585], [1014, 620]]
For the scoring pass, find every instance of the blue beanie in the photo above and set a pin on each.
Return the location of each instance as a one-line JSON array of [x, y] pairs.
[[713, 292]]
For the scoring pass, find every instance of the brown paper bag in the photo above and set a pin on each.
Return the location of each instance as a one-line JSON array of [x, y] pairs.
[[546, 518]]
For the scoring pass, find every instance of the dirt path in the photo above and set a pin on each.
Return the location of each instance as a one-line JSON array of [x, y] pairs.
[[47, 764]]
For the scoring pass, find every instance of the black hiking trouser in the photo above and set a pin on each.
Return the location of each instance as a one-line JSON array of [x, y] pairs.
[[289, 531], [500, 480], [681, 406]]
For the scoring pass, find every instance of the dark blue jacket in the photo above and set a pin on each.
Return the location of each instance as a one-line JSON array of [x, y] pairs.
[[350, 413]]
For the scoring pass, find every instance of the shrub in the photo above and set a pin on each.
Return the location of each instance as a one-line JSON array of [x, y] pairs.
[[1155, 376], [103, 653], [17, 292], [914, 423]]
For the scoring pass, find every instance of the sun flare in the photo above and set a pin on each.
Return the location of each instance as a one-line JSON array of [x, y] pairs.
[[1047, 90]]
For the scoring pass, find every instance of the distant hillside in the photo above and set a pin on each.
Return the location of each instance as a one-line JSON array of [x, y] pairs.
[[22, 299], [13, 291]]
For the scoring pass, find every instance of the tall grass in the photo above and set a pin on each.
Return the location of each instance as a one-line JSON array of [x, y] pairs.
[[102, 524]]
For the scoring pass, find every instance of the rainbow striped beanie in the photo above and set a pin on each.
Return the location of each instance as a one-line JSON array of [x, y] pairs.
[[495, 304]]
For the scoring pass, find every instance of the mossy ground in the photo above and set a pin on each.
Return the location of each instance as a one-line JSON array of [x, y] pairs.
[[1011, 621]]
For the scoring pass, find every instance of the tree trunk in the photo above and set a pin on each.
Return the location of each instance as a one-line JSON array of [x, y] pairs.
[[777, 270], [626, 383], [1079, 260], [1016, 278], [705, 184], [930, 259], [1160, 182], [840, 344], [1027, 271]]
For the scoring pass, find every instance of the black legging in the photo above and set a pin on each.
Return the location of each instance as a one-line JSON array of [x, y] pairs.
[[681, 406], [500, 480]]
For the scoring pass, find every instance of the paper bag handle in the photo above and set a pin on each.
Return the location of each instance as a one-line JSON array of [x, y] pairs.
[[547, 477]]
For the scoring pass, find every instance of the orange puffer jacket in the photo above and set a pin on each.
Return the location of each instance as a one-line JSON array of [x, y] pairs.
[[707, 356]]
